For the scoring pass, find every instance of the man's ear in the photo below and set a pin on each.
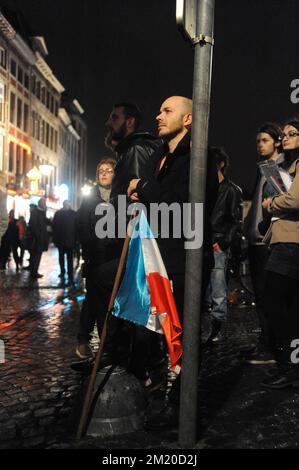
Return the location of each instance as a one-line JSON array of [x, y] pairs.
[[277, 144], [130, 123], [187, 120]]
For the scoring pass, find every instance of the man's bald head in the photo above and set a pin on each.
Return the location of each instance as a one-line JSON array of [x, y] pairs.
[[185, 104], [175, 118]]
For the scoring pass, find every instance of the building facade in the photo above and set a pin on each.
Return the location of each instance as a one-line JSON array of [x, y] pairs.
[[42, 146]]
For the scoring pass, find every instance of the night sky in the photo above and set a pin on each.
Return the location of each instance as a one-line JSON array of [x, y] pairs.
[[130, 50]]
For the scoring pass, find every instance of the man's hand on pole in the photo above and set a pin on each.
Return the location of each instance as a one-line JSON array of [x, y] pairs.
[[131, 192]]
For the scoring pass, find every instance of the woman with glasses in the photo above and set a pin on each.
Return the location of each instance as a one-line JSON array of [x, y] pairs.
[[268, 145], [281, 296], [95, 251]]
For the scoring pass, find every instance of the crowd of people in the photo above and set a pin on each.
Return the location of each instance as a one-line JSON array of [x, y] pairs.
[[152, 170], [156, 170]]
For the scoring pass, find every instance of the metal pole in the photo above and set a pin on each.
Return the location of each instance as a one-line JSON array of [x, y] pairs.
[[193, 276]]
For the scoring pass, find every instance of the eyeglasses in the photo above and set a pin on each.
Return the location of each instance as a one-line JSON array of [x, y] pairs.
[[290, 135], [103, 172]]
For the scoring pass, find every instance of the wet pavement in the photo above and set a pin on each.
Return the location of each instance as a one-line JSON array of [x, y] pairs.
[[38, 390]]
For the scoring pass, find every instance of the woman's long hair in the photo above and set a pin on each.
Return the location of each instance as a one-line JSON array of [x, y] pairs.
[[291, 155]]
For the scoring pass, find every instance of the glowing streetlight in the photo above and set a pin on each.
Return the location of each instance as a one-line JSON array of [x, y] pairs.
[[46, 169], [86, 190], [34, 174]]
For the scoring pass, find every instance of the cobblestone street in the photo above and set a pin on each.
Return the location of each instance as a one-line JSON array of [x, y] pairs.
[[38, 324]]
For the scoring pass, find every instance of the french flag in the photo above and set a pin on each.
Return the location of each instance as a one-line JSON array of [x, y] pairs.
[[145, 295]]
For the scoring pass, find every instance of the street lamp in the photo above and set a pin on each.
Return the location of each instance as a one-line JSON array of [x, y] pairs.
[[46, 170], [86, 190], [34, 175]]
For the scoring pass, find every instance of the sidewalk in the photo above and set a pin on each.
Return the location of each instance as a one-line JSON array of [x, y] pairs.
[[38, 324]]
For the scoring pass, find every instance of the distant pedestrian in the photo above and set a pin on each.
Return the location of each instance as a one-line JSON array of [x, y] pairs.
[[28, 241], [226, 221], [9, 242], [39, 237], [64, 237], [22, 228]]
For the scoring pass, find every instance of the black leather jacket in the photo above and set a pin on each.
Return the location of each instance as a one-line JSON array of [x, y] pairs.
[[133, 153], [226, 218]]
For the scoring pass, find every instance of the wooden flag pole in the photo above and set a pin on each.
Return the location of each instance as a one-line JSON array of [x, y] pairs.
[[88, 396]]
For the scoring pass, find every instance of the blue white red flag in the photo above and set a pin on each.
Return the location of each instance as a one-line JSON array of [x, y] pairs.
[[145, 296]]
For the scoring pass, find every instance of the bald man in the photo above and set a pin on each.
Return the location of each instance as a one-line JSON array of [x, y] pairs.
[[169, 183]]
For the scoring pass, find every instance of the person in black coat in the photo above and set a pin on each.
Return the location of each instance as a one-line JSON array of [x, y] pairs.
[[9, 242], [169, 183], [226, 221], [64, 237], [95, 252], [39, 237], [133, 151]]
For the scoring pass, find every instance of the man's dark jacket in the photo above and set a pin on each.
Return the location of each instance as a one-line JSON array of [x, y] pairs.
[[38, 231], [171, 184], [133, 156], [226, 218], [64, 228]]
